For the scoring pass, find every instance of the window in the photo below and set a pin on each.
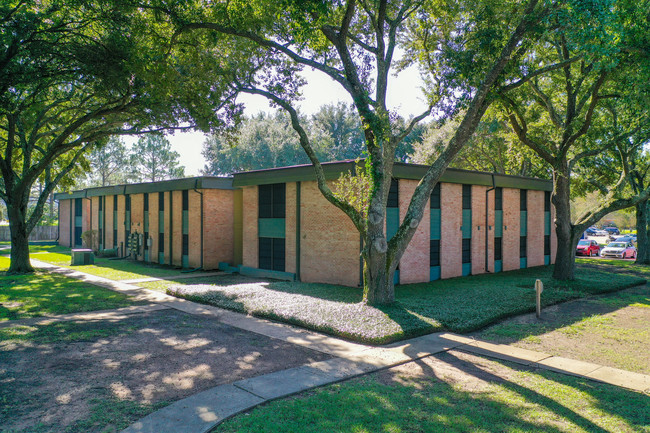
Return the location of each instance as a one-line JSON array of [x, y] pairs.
[[434, 203], [161, 201], [467, 196], [498, 242], [434, 252], [523, 200], [498, 198], [127, 202], [393, 194], [186, 199], [272, 200], [547, 245], [271, 254], [547, 201], [467, 251], [522, 247], [146, 201]]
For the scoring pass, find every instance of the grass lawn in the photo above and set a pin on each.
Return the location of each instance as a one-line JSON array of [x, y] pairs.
[[104, 267], [452, 394], [41, 294], [458, 304]]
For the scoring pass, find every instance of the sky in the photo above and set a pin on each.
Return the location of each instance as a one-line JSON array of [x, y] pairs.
[[404, 95]]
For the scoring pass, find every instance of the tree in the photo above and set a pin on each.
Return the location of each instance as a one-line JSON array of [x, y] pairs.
[[107, 164], [71, 75], [465, 47], [564, 116], [152, 159]]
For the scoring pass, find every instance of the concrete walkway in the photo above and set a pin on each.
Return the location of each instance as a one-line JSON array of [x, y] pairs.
[[202, 411]]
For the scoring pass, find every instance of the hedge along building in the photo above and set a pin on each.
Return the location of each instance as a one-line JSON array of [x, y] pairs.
[[184, 222], [276, 223]]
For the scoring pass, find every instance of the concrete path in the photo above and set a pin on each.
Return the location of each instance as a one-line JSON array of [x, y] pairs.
[[175, 277], [202, 411]]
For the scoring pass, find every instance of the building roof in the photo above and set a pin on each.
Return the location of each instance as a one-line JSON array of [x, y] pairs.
[[400, 171], [200, 182]]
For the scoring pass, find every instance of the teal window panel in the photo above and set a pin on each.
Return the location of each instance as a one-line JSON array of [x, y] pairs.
[[78, 221], [114, 220], [392, 222], [396, 277], [100, 220], [146, 221], [467, 223], [523, 223], [161, 221], [185, 261], [146, 255], [547, 260], [435, 224], [547, 223], [271, 228], [523, 263], [498, 223], [498, 265], [434, 273], [127, 218], [467, 269], [161, 258], [186, 222]]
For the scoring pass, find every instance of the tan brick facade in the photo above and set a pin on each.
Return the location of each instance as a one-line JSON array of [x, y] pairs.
[[535, 241], [153, 227], [176, 227], [194, 228], [414, 266], [290, 227], [218, 226], [249, 233], [511, 229], [65, 212], [108, 222], [451, 220]]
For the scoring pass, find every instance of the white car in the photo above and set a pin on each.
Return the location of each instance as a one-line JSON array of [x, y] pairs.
[[622, 250]]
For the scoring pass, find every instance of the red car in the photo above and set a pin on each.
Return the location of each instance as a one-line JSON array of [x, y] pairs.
[[587, 247]]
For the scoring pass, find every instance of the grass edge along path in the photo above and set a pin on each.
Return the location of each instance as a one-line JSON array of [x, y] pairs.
[[461, 304]]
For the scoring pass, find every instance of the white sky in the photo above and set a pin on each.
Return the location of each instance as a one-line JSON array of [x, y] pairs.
[[404, 95]]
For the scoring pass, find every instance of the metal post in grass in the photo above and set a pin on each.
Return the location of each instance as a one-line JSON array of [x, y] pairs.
[[539, 288]]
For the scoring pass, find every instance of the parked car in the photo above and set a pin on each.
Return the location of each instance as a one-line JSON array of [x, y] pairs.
[[591, 231], [625, 238], [621, 250], [612, 230], [601, 233], [587, 247]]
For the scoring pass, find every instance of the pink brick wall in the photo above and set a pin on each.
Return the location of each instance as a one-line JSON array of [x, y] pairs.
[[177, 229], [290, 227], [478, 229], [194, 228], [218, 227], [329, 241], [86, 215], [153, 227], [535, 241], [511, 229], [64, 222], [414, 266], [166, 225], [249, 235], [451, 220]]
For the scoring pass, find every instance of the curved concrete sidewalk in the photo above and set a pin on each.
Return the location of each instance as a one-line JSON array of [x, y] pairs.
[[203, 411]]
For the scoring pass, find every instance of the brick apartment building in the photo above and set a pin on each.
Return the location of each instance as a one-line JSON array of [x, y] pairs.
[[276, 223]]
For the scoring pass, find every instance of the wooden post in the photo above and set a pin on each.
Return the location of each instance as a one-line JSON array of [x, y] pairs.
[[539, 288]]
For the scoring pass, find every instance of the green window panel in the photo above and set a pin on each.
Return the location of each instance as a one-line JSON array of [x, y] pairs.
[[467, 269], [523, 263], [146, 255], [523, 223], [186, 222], [100, 220], [271, 228], [127, 218], [396, 277], [547, 260], [78, 221], [547, 223], [435, 224], [161, 221], [146, 221], [434, 273], [392, 222], [185, 261], [498, 265], [114, 220], [498, 223], [467, 223], [161, 258]]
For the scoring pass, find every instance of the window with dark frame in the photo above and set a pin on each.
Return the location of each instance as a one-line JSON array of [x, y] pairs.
[[467, 250], [146, 210], [393, 194], [522, 247], [185, 250], [272, 200], [161, 208], [434, 203], [547, 201], [498, 242], [115, 221], [434, 252], [498, 198], [523, 200], [467, 196], [547, 245], [272, 254]]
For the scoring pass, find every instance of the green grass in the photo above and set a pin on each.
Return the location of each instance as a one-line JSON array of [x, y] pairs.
[[524, 402], [112, 269], [458, 304], [39, 294]]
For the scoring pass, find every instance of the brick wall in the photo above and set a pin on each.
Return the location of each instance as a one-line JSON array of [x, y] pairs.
[[290, 228], [64, 222], [121, 205], [414, 266], [535, 242], [153, 227], [511, 226], [249, 235], [478, 229], [137, 219], [177, 227], [451, 219], [218, 227], [329, 242], [108, 221], [86, 216]]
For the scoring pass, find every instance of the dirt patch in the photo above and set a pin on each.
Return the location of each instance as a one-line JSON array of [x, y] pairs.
[[611, 330], [59, 377]]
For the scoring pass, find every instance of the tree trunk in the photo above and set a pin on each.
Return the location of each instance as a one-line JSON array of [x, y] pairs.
[[378, 281], [567, 239], [642, 254], [19, 240]]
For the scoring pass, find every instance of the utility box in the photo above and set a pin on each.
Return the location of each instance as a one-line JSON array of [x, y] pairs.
[[82, 257]]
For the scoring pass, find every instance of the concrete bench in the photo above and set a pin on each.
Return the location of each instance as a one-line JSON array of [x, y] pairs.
[[82, 256]]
